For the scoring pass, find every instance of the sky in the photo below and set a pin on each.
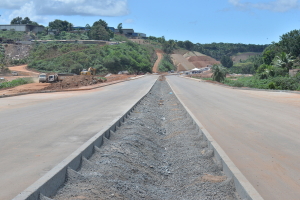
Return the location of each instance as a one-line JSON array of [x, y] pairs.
[[228, 21]]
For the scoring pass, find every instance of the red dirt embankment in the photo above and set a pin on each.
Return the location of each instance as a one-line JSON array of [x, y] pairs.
[[159, 57], [202, 61]]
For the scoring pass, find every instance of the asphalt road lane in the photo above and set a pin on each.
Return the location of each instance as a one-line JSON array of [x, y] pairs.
[[259, 131], [38, 131]]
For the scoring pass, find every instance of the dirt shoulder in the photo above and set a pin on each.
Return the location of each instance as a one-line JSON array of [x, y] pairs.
[[68, 84]]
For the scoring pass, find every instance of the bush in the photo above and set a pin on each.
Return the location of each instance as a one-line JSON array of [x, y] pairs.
[[272, 86], [16, 82]]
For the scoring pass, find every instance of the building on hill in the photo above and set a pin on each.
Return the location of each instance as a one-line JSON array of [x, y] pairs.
[[22, 27], [128, 33]]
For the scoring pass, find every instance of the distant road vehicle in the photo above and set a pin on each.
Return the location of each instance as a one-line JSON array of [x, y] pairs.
[[14, 73]]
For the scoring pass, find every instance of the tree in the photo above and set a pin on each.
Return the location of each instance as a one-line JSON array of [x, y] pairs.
[[98, 32], [284, 61], [59, 25], [101, 22], [120, 26], [20, 20], [26, 20], [88, 27], [290, 43], [226, 61], [188, 45], [219, 73], [70, 27], [17, 20]]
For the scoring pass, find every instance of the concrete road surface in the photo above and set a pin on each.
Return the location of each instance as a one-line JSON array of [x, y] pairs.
[[38, 131], [259, 131]]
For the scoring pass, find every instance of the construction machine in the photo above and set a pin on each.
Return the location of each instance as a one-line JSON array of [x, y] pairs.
[[90, 71]]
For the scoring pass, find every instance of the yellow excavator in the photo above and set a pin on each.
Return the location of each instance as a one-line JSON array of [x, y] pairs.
[[89, 72]]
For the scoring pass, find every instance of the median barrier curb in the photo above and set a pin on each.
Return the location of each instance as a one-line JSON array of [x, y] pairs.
[[243, 88], [48, 184], [243, 187], [71, 90]]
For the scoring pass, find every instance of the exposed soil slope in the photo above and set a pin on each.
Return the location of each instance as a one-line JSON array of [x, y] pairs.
[[202, 61], [182, 63]]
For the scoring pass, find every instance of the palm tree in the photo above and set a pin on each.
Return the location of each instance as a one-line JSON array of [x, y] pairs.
[[70, 26], [284, 61], [219, 73]]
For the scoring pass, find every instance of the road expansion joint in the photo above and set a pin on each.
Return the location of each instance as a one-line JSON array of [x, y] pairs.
[[156, 153]]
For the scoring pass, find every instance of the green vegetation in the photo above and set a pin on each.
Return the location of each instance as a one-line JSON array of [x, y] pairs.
[[166, 64], [279, 83], [271, 69], [72, 58], [3, 68], [16, 82], [20, 20], [219, 73], [12, 35], [226, 61], [215, 50]]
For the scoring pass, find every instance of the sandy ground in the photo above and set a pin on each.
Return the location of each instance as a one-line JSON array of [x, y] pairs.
[[258, 130], [68, 83], [23, 68], [159, 57]]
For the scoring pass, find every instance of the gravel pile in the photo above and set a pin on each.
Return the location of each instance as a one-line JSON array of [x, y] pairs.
[[156, 154]]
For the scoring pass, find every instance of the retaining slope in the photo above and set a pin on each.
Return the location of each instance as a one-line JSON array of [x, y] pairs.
[[244, 188]]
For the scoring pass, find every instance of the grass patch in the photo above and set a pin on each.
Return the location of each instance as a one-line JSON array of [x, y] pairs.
[[16, 82], [276, 83]]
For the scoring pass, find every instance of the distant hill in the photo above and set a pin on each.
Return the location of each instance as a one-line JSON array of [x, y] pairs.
[[243, 56]]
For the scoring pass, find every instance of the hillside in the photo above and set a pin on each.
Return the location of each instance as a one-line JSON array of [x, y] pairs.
[[192, 59], [244, 56]]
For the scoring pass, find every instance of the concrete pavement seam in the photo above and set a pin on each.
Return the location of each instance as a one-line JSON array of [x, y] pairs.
[[51, 181], [70, 90], [244, 188]]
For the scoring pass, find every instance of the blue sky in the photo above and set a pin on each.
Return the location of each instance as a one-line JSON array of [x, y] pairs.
[[234, 21]]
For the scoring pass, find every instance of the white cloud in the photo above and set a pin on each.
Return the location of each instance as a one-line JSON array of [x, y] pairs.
[[27, 10], [129, 21], [69, 7], [275, 6]]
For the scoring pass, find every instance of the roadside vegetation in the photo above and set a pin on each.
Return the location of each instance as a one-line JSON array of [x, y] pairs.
[[271, 69], [16, 82], [166, 64], [72, 58]]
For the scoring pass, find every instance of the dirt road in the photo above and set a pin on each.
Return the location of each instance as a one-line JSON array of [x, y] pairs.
[[39, 131], [23, 68], [258, 130], [159, 57]]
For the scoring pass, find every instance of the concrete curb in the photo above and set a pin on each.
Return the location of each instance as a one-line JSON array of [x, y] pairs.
[[244, 88], [243, 187], [71, 90], [51, 181]]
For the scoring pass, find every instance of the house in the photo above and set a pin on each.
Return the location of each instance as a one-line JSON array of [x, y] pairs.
[[22, 27]]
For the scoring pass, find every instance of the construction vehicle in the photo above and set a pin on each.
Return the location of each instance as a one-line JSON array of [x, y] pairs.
[[52, 78], [90, 71], [43, 78]]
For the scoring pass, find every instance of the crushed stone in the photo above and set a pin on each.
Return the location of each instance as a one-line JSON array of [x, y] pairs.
[[157, 153]]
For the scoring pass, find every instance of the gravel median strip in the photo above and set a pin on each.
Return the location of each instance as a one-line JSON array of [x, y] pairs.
[[157, 153]]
